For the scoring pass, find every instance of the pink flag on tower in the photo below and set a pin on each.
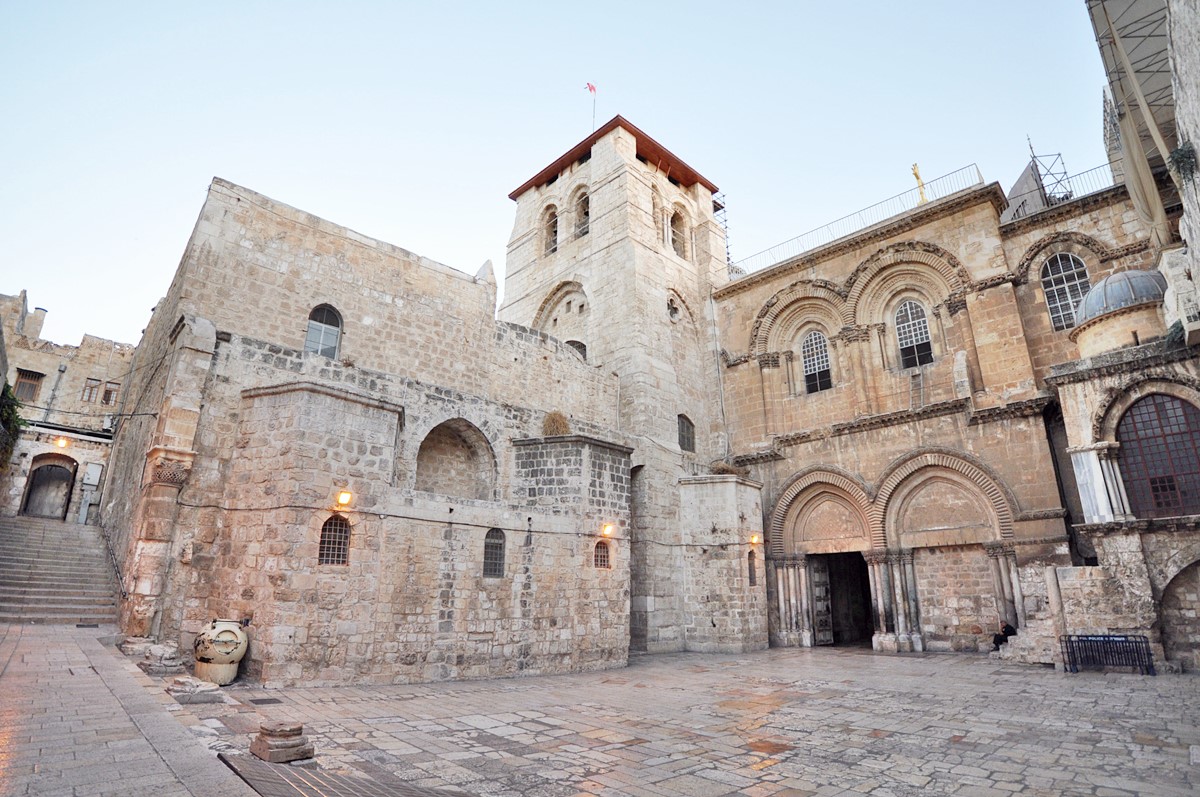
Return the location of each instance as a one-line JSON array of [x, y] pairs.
[[591, 87]]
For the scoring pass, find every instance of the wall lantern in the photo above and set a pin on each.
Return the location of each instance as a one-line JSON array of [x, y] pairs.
[[61, 442], [754, 539], [344, 497], [606, 530]]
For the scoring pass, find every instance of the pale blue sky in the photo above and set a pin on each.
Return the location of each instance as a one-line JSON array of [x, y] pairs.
[[411, 122]]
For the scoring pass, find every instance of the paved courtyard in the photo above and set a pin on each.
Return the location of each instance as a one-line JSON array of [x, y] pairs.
[[79, 719]]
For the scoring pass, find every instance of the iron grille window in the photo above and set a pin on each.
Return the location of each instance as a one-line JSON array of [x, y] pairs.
[[335, 542], [111, 391], [583, 215], [550, 225], [600, 556], [750, 557], [1065, 282], [1160, 456], [687, 434], [814, 352], [324, 331], [91, 388], [912, 333], [29, 383], [493, 554]]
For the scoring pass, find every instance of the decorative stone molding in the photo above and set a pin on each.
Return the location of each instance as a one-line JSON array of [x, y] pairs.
[[999, 548], [876, 556], [993, 282], [1017, 409], [1058, 240], [824, 298], [1073, 208], [1135, 248], [1133, 360], [768, 360], [839, 481], [1041, 514], [169, 466]]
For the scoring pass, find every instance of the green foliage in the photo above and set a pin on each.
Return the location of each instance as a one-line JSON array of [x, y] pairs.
[[10, 424]]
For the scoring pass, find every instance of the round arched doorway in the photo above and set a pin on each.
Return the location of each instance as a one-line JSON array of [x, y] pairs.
[[48, 491]]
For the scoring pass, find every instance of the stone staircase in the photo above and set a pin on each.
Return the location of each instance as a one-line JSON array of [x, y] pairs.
[[54, 572]]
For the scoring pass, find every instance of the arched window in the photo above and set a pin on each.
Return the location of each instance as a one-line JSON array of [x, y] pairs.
[[335, 542], [679, 233], [687, 434], [814, 353], [1160, 456], [750, 557], [600, 556], [550, 230], [578, 346], [583, 214], [493, 554], [912, 333], [1065, 282], [324, 331]]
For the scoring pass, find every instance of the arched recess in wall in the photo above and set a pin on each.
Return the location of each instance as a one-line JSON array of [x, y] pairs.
[[782, 316], [1179, 618], [456, 459], [925, 485], [1117, 400], [1086, 248], [909, 263], [49, 486], [565, 313], [822, 509]]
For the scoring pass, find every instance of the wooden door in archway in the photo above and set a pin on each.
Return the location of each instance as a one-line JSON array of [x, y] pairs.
[[49, 492]]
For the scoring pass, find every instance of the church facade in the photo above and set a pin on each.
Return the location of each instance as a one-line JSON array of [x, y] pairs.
[[982, 410]]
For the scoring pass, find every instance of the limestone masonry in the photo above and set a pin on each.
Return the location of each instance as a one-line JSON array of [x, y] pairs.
[[984, 409]]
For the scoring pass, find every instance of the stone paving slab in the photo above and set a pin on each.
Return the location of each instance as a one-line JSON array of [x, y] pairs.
[[781, 722], [77, 719]]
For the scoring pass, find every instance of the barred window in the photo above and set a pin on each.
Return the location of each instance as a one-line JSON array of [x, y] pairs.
[[750, 557], [815, 354], [550, 230], [583, 215], [600, 556], [335, 542], [912, 333], [324, 331], [1159, 456], [91, 389], [687, 434], [1065, 282], [493, 554]]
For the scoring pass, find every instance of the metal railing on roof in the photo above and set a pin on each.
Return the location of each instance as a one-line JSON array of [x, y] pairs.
[[1057, 192], [939, 188]]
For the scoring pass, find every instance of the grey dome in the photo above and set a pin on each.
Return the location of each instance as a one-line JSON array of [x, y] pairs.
[[1123, 289]]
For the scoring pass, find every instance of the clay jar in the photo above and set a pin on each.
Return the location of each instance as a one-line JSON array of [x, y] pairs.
[[218, 650]]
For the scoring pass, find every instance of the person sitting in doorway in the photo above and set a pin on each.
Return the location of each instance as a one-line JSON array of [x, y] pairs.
[[1006, 630]]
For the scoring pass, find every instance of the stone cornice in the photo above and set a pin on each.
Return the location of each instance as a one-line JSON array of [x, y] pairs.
[[1135, 359], [1017, 409], [1182, 523], [914, 218], [340, 393], [1041, 514], [572, 439], [757, 458]]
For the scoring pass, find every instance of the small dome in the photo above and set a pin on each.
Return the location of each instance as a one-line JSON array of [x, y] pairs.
[[1120, 290]]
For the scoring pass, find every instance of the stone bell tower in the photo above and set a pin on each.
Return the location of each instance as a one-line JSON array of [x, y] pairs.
[[615, 252]]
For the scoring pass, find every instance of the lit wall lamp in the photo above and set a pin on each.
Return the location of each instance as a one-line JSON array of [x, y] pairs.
[[606, 530], [344, 497], [61, 442], [754, 539]]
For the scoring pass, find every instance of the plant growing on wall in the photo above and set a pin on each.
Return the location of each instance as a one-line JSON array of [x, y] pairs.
[[10, 424], [554, 424]]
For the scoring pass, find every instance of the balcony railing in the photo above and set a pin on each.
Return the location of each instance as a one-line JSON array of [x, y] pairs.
[[1058, 192], [967, 177]]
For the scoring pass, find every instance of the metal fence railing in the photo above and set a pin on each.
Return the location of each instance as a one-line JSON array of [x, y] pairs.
[[1057, 192], [1107, 650], [944, 186]]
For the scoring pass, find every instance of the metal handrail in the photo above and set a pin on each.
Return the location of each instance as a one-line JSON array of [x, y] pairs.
[[939, 188]]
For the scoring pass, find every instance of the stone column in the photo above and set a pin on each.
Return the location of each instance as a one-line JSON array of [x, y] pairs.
[[781, 600], [903, 641], [804, 589], [913, 607], [1101, 489], [1003, 593], [881, 599]]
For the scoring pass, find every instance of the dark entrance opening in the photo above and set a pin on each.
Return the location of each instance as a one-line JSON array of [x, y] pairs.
[[49, 491], [849, 599]]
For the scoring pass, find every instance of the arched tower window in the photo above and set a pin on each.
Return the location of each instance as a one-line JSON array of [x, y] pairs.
[[583, 214], [912, 333], [334, 548], [1065, 282], [550, 230], [493, 554], [324, 331], [687, 434], [1160, 456], [814, 353], [600, 557], [679, 233]]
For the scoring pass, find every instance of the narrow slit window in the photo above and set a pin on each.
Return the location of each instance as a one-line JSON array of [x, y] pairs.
[[550, 230], [687, 434], [912, 333], [814, 353], [750, 557]]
